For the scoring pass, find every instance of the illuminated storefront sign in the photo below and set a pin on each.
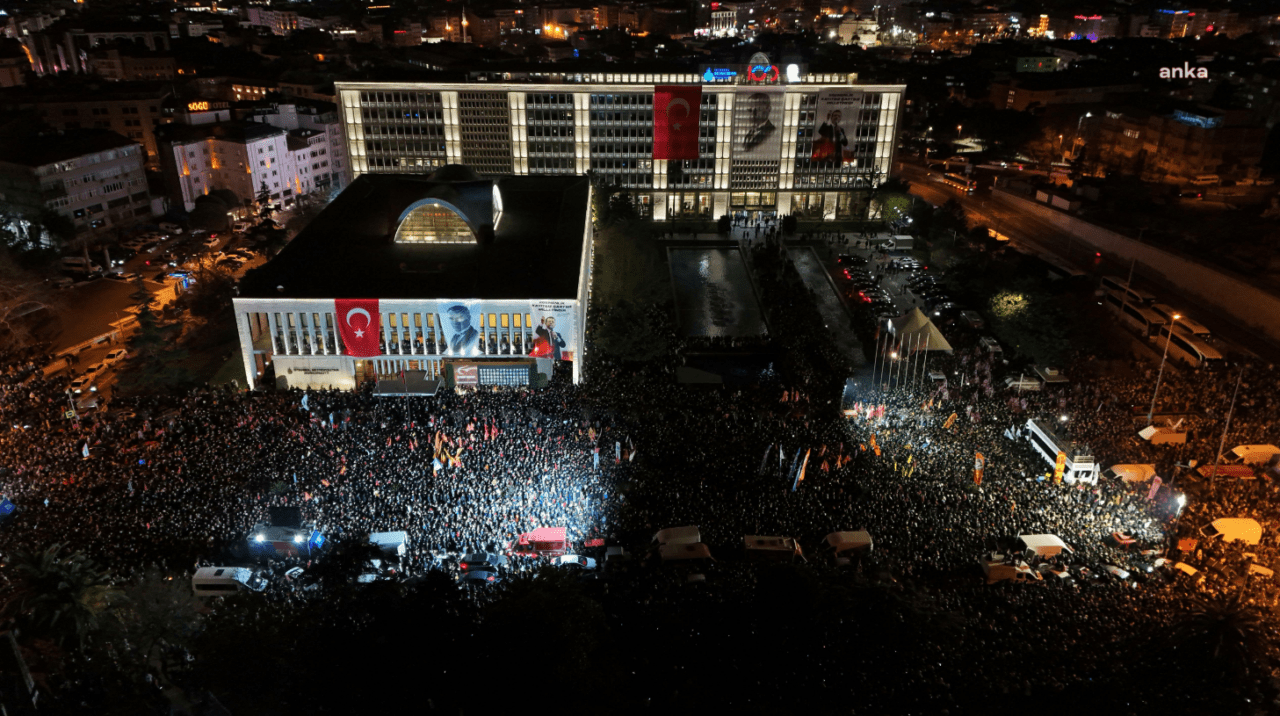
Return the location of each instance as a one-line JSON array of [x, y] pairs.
[[719, 74], [197, 106]]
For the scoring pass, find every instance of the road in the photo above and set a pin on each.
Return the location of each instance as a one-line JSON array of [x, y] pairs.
[[1032, 235]]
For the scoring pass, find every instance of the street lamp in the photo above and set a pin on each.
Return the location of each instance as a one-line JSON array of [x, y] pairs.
[[1160, 375], [1076, 140]]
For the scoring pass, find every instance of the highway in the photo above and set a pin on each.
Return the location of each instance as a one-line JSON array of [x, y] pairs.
[[1031, 235]]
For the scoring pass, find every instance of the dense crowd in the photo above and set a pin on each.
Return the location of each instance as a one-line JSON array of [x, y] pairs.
[[174, 481]]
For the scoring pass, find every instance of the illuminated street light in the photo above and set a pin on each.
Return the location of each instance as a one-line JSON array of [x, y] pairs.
[[1062, 418], [259, 538]]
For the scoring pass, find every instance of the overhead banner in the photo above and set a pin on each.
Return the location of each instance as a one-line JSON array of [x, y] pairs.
[[359, 325], [757, 123], [554, 329], [979, 462], [1059, 466], [837, 110], [675, 121], [462, 327]]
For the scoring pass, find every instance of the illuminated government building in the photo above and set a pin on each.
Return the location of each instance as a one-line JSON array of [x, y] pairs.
[[769, 139]]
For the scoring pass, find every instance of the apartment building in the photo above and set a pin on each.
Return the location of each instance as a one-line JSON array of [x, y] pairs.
[[95, 177]]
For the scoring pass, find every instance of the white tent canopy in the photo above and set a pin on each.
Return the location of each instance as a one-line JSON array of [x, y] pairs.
[[916, 328], [1044, 545]]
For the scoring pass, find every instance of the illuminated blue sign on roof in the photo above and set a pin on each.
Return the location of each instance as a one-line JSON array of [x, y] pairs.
[[719, 74]]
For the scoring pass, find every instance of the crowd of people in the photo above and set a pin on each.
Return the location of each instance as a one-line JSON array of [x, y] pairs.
[[170, 482]]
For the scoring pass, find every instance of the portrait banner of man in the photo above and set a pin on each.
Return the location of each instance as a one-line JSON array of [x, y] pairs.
[[836, 120], [757, 123], [461, 324], [554, 329]]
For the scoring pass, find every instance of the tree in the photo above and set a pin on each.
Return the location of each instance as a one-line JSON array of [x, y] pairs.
[[211, 294], [59, 595], [263, 198], [210, 214], [155, 360], [153, 613], [1028, 319]]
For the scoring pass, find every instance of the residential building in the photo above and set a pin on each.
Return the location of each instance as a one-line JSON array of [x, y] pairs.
[[318, 117], [1183, 144], [1084, 27], [604, 123], [65, 45], [242, 157], [132, 109], [95, 177], [284, 22], [1042, 90], [125, 64], [13, 63]]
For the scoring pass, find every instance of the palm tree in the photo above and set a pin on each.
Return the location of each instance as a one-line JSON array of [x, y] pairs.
[[1228, 633], [60, 594]]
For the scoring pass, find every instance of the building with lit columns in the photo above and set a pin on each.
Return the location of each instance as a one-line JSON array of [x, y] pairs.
[[407, 279], [754, 139]]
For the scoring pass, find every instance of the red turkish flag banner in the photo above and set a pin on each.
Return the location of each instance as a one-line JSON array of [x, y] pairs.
[[675, 121], [358, 324]]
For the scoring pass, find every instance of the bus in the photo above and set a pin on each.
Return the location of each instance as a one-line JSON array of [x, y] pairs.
[[1186, 347], [960, 183], [1188, 325], [1115, 283], [1144, 319], [1079, 467]]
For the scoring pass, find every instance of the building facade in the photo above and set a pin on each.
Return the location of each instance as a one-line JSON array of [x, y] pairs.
[[242, 157], [132, 110], [93, 177], [1180, 146], [764, 142], [329, 167], [406, 280]]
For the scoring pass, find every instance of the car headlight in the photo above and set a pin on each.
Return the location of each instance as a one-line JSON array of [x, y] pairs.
[[259, 538], [297, 539]]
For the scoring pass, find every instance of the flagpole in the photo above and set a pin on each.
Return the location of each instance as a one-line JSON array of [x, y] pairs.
[[1223, 442], [924, 361], [875, 359]]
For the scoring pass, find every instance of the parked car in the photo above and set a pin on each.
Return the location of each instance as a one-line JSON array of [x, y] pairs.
[[123, 276], [82, 384], [575, 561], [847, 260], [972, 319], [171, 228], [210, 241], [115, 356]]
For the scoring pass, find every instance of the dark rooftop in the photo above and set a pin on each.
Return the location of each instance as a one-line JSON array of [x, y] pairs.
[[38, 149], [348, 250], [228, 131]]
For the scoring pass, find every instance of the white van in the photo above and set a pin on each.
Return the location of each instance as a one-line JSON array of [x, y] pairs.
[[79, 264], [221, 581], [1205, 180]]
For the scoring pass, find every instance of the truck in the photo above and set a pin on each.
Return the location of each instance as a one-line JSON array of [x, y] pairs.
[[999, 569]]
